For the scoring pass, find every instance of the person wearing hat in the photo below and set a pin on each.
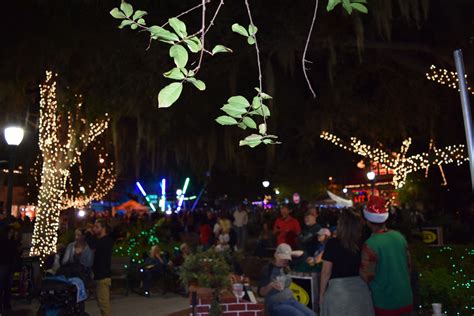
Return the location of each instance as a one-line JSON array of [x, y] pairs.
[[385, 264], [275, 283]]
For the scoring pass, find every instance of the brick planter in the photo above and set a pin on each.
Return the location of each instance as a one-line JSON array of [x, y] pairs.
[[231, 306]]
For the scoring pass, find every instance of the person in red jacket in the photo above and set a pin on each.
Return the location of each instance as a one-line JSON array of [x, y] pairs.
[[286, 228]]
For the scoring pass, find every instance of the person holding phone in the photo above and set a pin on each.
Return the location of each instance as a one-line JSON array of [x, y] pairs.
[[275, 283]]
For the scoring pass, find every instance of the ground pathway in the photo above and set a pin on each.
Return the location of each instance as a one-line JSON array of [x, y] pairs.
[[132, 305]]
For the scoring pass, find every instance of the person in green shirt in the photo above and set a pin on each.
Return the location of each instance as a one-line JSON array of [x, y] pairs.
[[385, 264]]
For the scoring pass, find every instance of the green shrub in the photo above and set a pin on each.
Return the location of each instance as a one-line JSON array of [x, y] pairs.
[[446, 275]]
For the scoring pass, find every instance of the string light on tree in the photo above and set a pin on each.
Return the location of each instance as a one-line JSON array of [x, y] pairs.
[[63, 136], [400, 163], [441, 170], [445, 77]]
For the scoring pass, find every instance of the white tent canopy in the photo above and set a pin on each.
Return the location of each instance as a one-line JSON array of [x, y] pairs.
[[341, 202]]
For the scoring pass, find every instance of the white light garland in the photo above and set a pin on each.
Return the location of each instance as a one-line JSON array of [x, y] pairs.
[[445, 77], [63, 136], [399, 163]]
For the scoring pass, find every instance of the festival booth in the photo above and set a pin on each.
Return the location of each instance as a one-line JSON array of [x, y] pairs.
[[129, 208]]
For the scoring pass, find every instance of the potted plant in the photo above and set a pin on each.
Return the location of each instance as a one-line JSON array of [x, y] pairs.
[[209, 270]]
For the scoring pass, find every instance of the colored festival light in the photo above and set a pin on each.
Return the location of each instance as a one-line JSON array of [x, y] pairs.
[[181, 198], [163, 195], [140, 187]]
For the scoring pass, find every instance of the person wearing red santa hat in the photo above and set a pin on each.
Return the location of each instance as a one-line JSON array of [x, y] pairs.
[[385, 263]]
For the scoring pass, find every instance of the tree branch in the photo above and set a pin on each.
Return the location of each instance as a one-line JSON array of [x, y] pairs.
[[303, 59], [203, 3], [258, 62], [203, 35], [214, 17]]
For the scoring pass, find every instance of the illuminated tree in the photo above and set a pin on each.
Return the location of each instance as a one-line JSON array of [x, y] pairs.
[[400, 163], [63, 136]]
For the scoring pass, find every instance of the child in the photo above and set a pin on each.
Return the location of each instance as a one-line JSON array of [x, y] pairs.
[[323, 235]]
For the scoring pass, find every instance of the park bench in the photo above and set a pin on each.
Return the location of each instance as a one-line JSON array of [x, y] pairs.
[[120, 271]]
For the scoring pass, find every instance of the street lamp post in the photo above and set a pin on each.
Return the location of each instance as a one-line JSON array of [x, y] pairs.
[[13, 136], [371, 177]]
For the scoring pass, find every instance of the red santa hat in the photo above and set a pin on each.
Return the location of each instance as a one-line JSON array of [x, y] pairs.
[[376, 212]]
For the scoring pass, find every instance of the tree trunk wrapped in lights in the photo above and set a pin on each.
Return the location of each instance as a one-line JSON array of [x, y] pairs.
[[63, 136]]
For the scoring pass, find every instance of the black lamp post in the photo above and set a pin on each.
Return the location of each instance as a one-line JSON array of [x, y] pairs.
[[13, 136]]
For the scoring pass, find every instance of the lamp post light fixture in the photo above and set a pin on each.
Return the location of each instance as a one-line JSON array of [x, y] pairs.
[[266, 184], [13, 137], [371, 177]]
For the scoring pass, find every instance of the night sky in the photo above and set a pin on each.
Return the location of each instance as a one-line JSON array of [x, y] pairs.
[[368, 72]]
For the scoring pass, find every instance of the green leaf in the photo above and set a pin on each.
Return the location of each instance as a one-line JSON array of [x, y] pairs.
[[252, 30], [134, 26], [197, 83], [233, 110], [332, 4], [160, 33], [191, 73], [141, 21], [256, 103], [264, 110], [139, 14], [269, 139], [117, 14], [359, 7], [226, 120], [249, 122], [194, 44], [174, 73], [239, 29], [263, 94], [262, 129], [221, 49], [360, 1], [239, 101], [126, 8], [178, 26], [347, 6], [169, 94], [242, 126], [251, 40], [180, 55], [252, 140], [125, 23]]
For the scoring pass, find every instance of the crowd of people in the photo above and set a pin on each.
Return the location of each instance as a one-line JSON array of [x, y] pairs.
[[361, 267]]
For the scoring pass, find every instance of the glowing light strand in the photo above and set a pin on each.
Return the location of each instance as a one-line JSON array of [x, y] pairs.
[[445, 77], [399, 162]]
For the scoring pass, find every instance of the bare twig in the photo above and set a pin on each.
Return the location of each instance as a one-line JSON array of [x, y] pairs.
[[303, 59], [215, 16], [203, 35], [203, 3], [258, 63]]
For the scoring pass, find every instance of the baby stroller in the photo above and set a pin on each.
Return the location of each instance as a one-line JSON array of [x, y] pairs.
[[58, 298], [60, 295]]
